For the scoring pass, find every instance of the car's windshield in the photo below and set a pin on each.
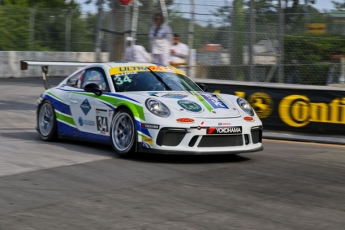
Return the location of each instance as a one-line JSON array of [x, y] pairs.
[[153, 81]]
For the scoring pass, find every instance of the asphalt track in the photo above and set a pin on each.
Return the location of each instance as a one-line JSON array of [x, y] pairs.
[[82, 186]]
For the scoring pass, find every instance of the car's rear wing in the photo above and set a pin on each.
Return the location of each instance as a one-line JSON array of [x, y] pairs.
[[45, 64]]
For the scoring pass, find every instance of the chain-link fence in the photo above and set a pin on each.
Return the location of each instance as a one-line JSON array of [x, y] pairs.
[[231, 43]]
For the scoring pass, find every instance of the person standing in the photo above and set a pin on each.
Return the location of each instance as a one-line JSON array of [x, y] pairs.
[[161, 38], [136, 53], [179, 53]]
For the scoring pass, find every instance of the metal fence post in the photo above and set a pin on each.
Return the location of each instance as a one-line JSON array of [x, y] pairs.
[[191, 37], [281, 42], [164, 11], [134, 20], [98, 31], [251, 41]]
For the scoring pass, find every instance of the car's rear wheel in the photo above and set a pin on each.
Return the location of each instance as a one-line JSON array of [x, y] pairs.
[[46, 122], [123, 133]]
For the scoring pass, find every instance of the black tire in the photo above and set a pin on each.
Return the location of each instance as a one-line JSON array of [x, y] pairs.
[[46, 122], [123, 133]]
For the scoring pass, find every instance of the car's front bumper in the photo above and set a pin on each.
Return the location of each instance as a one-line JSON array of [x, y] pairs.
[[196, 141], [195, 152]]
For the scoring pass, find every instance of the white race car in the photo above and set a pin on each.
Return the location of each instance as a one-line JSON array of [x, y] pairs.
[[143, 107]]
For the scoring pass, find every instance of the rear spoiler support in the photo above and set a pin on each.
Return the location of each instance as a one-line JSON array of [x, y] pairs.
[[45, 77], [45, 67]]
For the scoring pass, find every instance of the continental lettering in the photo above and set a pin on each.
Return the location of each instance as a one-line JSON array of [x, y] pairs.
[[299, 111]]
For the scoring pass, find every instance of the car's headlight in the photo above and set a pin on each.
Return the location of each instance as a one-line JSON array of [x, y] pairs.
[[245, 106], [157, 108]]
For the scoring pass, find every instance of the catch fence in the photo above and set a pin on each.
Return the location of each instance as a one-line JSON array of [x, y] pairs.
[[258, 45]]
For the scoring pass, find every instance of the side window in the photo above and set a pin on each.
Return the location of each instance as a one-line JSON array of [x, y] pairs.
[[97, 76], [74, 81]]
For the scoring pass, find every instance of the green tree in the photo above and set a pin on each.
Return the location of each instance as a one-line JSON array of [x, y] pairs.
[[339, 5], [49, 19], [14, 28], [41, 3]]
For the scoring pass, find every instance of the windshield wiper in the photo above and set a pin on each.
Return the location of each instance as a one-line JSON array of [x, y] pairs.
[[159, 78]]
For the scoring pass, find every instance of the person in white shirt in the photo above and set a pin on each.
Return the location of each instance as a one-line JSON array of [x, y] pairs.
[[161, 39], [136, 53], [179, 53]]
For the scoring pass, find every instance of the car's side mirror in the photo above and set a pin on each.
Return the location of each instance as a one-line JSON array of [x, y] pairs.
[[93, 88], [203, 87]]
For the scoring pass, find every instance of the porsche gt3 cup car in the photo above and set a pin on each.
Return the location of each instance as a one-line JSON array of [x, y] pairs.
[[143, 107]]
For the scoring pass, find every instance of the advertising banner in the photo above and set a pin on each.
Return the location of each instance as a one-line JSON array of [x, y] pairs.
[[293, 109]]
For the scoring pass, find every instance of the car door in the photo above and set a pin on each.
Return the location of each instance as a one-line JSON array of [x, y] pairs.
[[90, 115]]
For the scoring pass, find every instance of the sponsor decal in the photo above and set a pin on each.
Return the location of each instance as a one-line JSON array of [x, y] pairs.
[[224, 130], [122, 70], [149, 126], [262, 103], [89, 122], [85, 107], [185, 120], [190, 106], [299, 111], [247, 118], [124, 74], [224, 123], [102, 121], [161, 68], [80, 120], [148, 140], [86, 122], [131, 68], [174, 95], [214, 101]]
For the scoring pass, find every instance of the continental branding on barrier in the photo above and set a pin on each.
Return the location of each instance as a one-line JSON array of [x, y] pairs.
[[299, 111], [261, 102]]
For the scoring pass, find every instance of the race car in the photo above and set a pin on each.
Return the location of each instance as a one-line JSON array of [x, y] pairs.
[[145, 107]]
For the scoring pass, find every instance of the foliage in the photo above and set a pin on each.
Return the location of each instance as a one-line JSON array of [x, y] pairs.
[[310, 55], [314, 75], [339, 5], [311, 49], [14, 28], [48, 33], [41, 3]]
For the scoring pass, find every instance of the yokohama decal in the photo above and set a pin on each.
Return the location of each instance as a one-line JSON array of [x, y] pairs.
[[224, 130]]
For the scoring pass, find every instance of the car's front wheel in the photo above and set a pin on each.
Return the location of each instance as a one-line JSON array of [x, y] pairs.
[[46, 122], [123, 133]]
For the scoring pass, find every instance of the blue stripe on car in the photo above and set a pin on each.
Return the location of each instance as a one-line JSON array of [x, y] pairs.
[[69, 131], [58, 105]]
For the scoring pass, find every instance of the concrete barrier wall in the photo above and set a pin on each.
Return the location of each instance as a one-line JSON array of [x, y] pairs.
[[10, 62]]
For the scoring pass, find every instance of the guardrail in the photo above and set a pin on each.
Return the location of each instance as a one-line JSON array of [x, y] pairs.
[[297, 108]]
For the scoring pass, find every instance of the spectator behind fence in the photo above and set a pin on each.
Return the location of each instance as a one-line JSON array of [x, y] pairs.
[[179, 53], [136, 53], [161, 39]]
